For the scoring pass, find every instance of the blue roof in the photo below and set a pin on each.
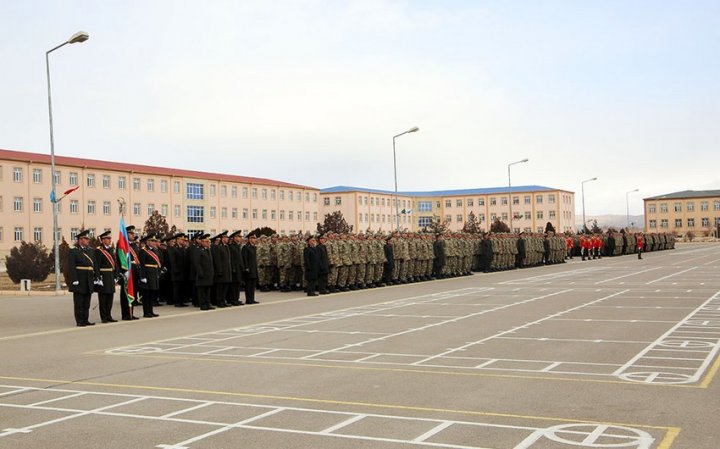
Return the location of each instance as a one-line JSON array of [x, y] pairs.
[[466, 192]]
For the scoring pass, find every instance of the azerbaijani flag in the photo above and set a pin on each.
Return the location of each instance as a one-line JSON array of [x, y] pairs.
[[123, 253]]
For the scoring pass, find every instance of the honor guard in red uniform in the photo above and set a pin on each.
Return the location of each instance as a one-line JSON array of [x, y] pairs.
[[640, 246]]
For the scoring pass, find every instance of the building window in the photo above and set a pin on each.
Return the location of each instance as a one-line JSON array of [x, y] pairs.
[[326, 201], [106, 181], [195, 214], [73, 207], [73, 178], [163, 186], [282, 195], [690, 207], [424, 222], [504, 201], [106, 207], [664, 223], [121, 183], [705, 222], [223, 212], [91, 180], [527, 216], [663, 208], [136, 209], [653, 223], [504, 216], [223, 191], [459, 218], [716, 205], [493, 201], [234, 213], [37, 205], [315, 216], [150, 208], [678, 223], [516, 200], [18, 234], [314, 197], [176, 210], [690, 222], [290, 215], [298, 196], [57, 177], [307, 198], [424, 206], [212, 211], [651, 209], [245, 214], [176, 186], [211, 190], [481, 218], [164, 210], [245, 192], [91, 207], [481, 201], [37, 175], [458, 203], [37, 234], [233, 191], [448, 203], [539, 215], [448, 218], [678, 207], [263, 194], [264, 214], [273, 215], [254, 193], [538, 199], [150, 185], [254, 214], [1, 230], [17, 177], [195, 191], [136, 184], [551, 214], [338, 201], [307, 216], [704, 206], [18, 204]]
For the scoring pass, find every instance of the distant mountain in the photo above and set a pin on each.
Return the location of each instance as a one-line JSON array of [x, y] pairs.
[[612, 220]]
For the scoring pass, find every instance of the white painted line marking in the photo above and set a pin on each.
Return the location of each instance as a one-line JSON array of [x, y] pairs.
[[627, 275], [671, 275], [180, 412], [342, 424], [439, 428]]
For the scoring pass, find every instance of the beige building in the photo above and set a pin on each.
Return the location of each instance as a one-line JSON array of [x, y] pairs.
[[190, 200], [681, 212], [532, 207]]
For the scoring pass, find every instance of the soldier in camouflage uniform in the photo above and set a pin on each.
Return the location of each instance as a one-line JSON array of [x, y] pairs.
[[284, 250], [344, 251], [333, 261], [362, 257]]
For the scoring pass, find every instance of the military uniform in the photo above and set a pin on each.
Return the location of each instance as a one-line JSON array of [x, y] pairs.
[[82, 271], [108, 268]]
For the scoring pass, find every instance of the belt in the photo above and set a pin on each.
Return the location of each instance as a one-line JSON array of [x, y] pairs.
[[106, 269], [85, 268], [147, 265]]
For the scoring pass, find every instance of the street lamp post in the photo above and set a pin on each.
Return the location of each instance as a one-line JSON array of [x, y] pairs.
[[78, 37], [627, 205], [397, 210], [583, 199], [510, 191]]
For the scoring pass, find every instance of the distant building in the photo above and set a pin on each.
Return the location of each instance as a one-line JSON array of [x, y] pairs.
[[689, 210], [532, 207], [191, 200]]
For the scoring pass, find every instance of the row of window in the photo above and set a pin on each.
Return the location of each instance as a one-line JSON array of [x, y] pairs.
[[193, 190], [689, 207], [705, 223], [196, 214], [426, 206]]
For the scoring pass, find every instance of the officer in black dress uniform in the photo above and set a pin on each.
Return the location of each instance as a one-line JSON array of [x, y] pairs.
[[122, 281], [222, 267], [249, 256], [178, 270], [203, 270], [82, 272], [108, 267], [237, 268], [311, 261], [150, 282]]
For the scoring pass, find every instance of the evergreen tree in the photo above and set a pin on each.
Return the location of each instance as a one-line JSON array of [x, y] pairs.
[[257, 232], [437, 226], [499, 226], [471, 225], [29, 261], [334, 222], [157, 224]]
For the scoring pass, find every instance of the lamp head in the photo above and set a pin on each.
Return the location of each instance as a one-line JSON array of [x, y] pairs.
[[524, 160], [413, 129], [80, 36]]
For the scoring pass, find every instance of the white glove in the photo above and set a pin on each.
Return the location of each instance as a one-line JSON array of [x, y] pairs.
[[99, 282], [76, 283], [143, 280]]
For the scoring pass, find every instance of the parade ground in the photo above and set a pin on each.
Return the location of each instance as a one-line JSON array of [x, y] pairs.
[[610, 353]]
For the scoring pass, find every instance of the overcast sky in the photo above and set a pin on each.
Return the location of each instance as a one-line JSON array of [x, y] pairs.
[[312, 92]]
